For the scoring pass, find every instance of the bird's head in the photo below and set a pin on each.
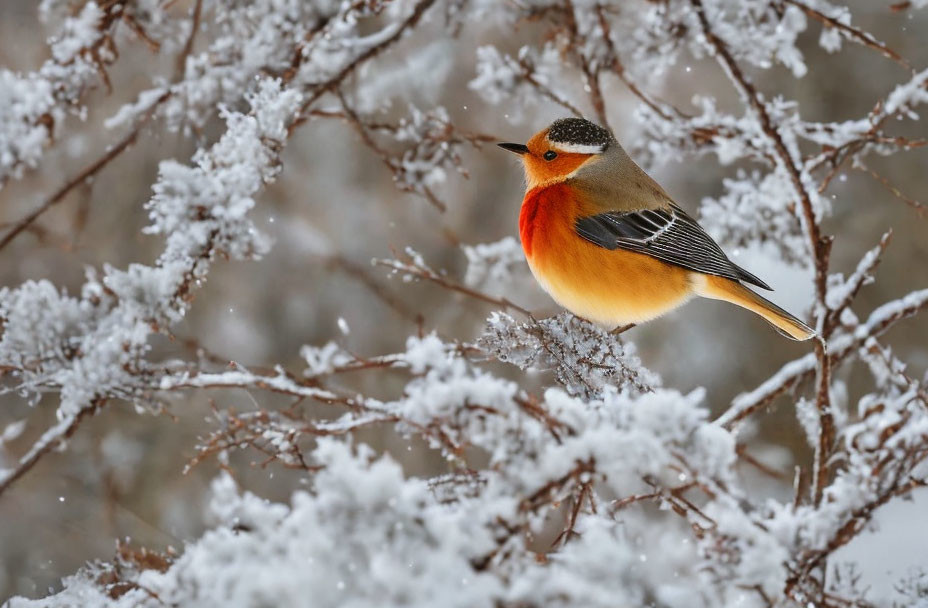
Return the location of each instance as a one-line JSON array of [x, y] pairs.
[[556, 153]]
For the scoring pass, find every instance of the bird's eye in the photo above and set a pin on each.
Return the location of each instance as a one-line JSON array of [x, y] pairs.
[[550, 155]]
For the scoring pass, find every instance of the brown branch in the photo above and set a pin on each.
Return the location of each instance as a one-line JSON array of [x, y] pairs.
[[361, 274], [675, 497], [856, 522], [355, 121], [180, 64], [862, 274], [428, 274], [248, 429], [585, 493], [742, 451], [543, 495], [322, 88], [855, 34], [101, 53], [619, 69], [88, 172], [546, 91], [898, 375], [281, 383], [763, 595], [920, 208], [826, 435], [621, 503], [153, 45], [531, 407], [114, 152], [50, 440], [794, 373], [820, 245], [837, 156], [196, 347], [590, 75]]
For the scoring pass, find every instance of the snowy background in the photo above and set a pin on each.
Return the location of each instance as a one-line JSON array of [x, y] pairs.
[[211, 396]]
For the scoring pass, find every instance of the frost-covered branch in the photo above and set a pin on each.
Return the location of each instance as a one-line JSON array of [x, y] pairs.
[[431, 147], [519, 461], [93, 347], [412, 266], [81, 178], [33, 106], [795, 372]]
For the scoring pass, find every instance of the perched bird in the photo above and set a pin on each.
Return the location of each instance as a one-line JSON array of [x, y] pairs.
[[608, 244]]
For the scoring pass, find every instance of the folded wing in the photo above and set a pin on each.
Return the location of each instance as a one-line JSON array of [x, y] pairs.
[[668, 234]]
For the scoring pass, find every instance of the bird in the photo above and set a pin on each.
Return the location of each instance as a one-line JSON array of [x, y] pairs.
[[611, 246]]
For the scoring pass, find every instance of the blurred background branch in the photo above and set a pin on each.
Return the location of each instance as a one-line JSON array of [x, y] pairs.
[[525, 460]]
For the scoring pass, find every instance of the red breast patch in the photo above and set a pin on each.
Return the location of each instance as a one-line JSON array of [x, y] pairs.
[[541, 207]]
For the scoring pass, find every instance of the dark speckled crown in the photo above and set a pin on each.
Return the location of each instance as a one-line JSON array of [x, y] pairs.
[[579, 132]]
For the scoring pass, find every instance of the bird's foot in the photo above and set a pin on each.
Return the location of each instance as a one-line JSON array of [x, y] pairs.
[[622, 329]]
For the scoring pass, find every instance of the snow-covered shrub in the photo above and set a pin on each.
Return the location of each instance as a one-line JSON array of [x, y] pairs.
[[571, 475]]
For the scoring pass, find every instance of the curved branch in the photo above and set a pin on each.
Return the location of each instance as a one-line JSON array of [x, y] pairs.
[[50, 440]]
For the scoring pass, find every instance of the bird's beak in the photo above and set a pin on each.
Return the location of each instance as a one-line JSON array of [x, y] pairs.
[[517, 148]]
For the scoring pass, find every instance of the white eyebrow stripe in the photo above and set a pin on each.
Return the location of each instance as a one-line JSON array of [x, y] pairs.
[[577, 148]]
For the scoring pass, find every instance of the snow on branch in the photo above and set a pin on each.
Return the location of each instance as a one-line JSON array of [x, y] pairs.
[[842, 347], [430, 146], [585, 358], [622, 445], [33, 105], [564, 471], [491, 265], [92, 348]]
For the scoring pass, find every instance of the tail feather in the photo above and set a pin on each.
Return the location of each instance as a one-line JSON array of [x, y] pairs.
[[719, 288], [747, 277]]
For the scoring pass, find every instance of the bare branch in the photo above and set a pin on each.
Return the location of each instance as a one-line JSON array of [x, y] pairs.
[[81, 178]]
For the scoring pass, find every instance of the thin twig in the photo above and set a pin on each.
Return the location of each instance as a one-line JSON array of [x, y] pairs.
[[820, 245], [322, 88], [81, 178], [861, 276], [363, 276], [742, 451], [355, 121], [180, 64], [920, 208], [430, 275], [852, 32], [590, 75], [795, 372], [50, 440], [619, 70], [546, 91]]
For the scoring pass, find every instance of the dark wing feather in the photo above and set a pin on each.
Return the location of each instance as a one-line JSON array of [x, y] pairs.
[[669, 235]]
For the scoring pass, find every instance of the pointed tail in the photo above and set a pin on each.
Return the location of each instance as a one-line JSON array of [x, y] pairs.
[[719, 288]]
